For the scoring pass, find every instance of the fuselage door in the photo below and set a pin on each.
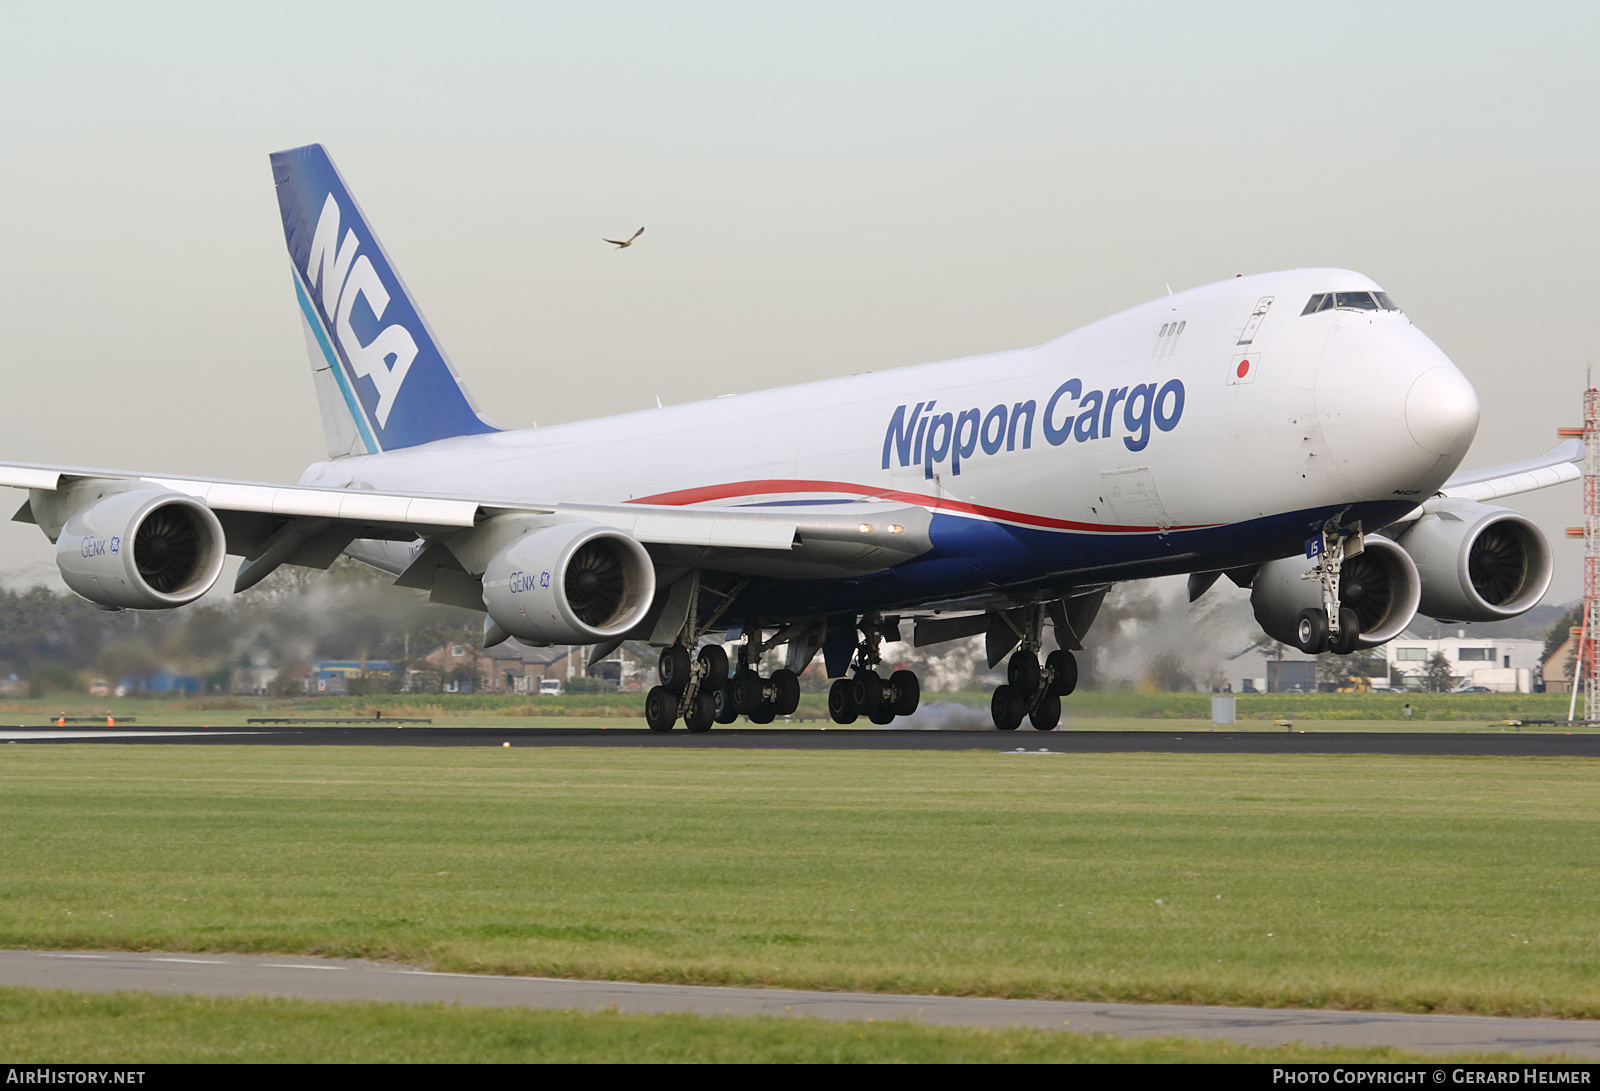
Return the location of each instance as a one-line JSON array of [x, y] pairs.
[[1248, 334]]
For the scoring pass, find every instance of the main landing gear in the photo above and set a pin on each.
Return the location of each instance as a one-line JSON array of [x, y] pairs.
[[1031, 691], [866, 692], [704, 691]]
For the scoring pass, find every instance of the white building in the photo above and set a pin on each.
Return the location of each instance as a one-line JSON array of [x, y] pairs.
[[1501, 664]]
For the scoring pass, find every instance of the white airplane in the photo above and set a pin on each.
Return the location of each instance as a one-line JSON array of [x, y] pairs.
[[1293, 431]]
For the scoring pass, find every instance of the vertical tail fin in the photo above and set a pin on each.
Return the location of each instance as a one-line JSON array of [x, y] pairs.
[[382, 380]]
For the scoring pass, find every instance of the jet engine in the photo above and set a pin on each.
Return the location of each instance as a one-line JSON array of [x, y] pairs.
[[148, 549], [1478, 563], [571, 583], [1380, 584]]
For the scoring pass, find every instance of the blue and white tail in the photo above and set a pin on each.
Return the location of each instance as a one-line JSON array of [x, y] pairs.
[[382, 380]]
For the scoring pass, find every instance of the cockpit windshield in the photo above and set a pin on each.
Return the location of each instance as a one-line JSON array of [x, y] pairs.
[[1350, 301]]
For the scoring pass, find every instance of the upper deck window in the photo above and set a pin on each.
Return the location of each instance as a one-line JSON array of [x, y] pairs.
[[1350, 301]]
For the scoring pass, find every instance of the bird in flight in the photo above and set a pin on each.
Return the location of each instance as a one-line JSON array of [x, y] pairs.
[[624, 245]]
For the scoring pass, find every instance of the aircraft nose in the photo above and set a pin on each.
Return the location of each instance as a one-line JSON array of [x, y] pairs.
[[1442, 411], [1396, 414]]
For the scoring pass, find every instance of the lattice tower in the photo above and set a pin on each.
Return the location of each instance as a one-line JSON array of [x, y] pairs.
[[1586, 666]]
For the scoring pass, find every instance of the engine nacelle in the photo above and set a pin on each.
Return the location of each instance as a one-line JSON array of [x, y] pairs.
[[1380, 584], [571, 583], [148, 549], [1478, 563]]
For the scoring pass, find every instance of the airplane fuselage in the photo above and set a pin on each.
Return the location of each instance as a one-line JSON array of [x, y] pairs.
[[1213, 428]]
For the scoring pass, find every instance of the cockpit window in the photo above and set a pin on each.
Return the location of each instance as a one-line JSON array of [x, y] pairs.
[[1361, 301], [1358, 301]]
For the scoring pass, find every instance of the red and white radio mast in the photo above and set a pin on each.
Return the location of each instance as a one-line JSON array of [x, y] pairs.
[[1586, 668]]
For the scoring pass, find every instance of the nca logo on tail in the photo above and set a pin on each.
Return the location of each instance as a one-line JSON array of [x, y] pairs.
[[344, 276]]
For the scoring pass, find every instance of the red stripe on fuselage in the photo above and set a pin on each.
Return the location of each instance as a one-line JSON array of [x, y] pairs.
[[707, 493]]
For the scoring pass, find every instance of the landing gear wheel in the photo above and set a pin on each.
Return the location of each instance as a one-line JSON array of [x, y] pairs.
[[715, 661], [1065, 666], [1005, 708], [866, 690], [1349, 633], [764, 714], [1047, 714], [907, 692], [722, 697], [884, 716], [841, 704], [1311, 631], [787, 684], [672, 669], [660, 708], [702, 713], [1022, 674], [746, 687]]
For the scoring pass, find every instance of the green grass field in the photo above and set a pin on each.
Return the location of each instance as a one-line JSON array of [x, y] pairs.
[[1442, 884], [131, 1028]]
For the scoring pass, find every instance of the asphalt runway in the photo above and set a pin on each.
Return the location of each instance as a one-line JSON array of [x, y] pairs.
[[345, 979], [1199, 740]]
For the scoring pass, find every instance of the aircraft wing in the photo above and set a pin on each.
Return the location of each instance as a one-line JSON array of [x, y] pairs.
[[1560, 464], [270, 525]]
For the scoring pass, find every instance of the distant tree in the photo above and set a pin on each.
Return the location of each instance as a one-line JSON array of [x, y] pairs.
[[1339, 669], [1438, 677], [1167, 674], [1559, 634]]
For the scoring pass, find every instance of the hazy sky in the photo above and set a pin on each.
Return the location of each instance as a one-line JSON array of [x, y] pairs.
[[828, 188]]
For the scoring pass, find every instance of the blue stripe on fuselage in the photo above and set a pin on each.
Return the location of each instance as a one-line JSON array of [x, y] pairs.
[[972, 556]]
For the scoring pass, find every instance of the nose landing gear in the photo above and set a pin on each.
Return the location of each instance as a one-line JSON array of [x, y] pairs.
[[1332, 627]]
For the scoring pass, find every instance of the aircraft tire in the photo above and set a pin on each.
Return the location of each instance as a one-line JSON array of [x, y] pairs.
[[722, 697], [866, 690], [1349, 633], [672, 669], [841, 703], [1065, 666], [907, 692], [1005, 708], [884, 716], [1047, 714], [702, 713], [764, 714], [787, 683], [1311, 631], [1022, 674], [715, 672], [746, 686], [660, 708]]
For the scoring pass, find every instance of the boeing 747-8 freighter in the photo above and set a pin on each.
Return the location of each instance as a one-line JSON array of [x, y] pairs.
[[1292, 431]]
